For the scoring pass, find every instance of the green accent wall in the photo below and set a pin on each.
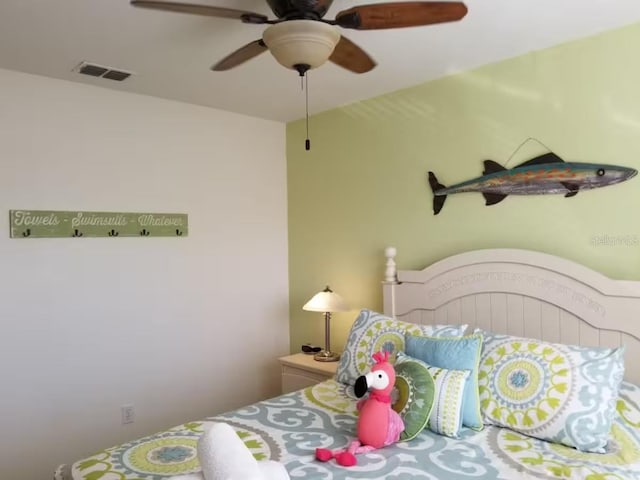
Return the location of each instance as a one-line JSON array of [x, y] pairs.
[[363, 184]]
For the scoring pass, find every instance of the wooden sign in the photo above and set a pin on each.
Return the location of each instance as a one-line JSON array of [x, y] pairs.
[[56, 224]]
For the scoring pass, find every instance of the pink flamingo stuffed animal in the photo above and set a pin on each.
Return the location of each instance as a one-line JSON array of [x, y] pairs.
[[378, 424]]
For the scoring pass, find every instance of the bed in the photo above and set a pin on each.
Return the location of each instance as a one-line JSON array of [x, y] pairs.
[[497, 294]]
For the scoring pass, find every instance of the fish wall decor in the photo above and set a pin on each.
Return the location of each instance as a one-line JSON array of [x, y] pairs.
[[544, 174]]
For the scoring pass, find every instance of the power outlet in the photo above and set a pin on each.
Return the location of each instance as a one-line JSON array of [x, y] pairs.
[[128, 413]]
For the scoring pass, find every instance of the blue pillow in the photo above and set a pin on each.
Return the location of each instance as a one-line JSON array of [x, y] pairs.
[[454, 354], [372, 332]]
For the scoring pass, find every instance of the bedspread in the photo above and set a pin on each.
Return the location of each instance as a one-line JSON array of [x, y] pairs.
[[289, 428]]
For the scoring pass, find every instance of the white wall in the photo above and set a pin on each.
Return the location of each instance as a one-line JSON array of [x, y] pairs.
[[180, 327]]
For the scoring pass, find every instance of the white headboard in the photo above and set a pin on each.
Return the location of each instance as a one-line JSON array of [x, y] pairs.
[[520, 292]]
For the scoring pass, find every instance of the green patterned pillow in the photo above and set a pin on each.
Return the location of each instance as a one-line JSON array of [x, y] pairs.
[[372, 332], [415, 388], [559, 393], [448, 402]]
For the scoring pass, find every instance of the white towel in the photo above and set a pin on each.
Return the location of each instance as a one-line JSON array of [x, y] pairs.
[[224, 456]]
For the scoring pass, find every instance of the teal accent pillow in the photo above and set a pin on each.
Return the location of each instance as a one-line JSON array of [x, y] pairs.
[[454, 354], [448, 401], [372, 332], [415, 391], [560, 393]]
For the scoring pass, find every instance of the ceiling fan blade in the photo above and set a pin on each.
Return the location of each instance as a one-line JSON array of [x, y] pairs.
[[245, 16], [400, 14], [350, 56], [250, 50]]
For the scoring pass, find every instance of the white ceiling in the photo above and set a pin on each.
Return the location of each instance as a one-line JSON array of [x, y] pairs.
[[171, 53]]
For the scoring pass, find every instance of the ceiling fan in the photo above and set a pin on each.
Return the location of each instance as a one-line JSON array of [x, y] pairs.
[[300, 38]]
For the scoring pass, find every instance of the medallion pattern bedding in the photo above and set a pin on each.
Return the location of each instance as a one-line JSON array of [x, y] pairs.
[[289, 428]]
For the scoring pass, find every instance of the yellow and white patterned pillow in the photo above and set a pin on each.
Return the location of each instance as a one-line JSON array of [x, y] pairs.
[[446, 416], [560, 393]]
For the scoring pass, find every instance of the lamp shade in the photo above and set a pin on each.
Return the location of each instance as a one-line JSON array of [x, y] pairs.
[[326, 301], [301, 42]]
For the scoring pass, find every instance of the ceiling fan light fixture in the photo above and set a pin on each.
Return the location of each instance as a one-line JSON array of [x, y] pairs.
[[301, 42]]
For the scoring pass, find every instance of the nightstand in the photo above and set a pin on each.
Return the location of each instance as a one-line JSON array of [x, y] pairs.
[[301, 370]]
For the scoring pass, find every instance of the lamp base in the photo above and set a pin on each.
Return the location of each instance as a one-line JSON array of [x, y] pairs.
[[325, 356]]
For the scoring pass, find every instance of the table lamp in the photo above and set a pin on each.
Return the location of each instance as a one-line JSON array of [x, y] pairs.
[[327, 302]]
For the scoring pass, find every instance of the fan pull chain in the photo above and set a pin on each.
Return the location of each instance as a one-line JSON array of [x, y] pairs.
[[307, 142]]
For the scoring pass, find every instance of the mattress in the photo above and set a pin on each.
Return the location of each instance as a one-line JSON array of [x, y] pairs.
[[290, 427]]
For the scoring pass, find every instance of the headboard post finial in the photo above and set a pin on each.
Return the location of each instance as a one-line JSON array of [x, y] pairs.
[[390, 273]]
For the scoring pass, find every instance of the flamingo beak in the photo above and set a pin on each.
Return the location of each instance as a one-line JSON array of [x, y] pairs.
[[361, 386]]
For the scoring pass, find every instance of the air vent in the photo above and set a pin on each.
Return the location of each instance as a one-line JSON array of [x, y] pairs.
[[116, 75], [94, 70]]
